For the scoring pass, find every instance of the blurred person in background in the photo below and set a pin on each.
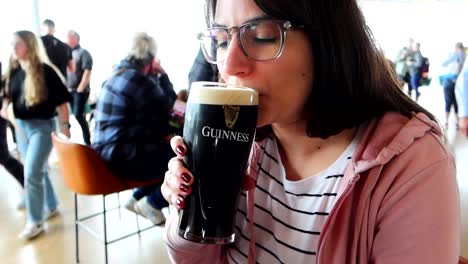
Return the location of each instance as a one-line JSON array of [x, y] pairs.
[[78, 82], [37, 93], [201, 70], [461, 89], [414, 62], [11, 164], [132, 124], [401, 68], [454, 64], [177, 113], [59, 53]]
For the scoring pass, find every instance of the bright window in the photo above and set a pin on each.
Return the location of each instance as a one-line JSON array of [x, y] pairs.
[[106, 28]]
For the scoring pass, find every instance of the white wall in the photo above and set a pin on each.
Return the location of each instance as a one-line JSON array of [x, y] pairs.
[[106, 28], [437, 25], [14, 15]]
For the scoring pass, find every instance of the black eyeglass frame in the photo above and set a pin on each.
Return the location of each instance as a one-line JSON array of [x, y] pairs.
[[283, 25]]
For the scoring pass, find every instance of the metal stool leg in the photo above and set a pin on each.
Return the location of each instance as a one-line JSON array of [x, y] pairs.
[[77, 240], [105, 227], [138, 225], [118, 200]]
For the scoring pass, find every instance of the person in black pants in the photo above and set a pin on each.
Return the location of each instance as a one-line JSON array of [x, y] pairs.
[[78, 108], [201, 70], [59, 53], [450, 99], [11, 164], [78, 82]]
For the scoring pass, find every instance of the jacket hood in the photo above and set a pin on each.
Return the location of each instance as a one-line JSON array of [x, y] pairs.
[[389, 136]]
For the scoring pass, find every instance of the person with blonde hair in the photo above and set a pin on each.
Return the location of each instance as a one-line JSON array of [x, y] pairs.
[[37, 93], [132, 123]]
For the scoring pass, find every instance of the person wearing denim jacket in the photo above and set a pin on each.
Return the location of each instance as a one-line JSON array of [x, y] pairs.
[[454, 63]]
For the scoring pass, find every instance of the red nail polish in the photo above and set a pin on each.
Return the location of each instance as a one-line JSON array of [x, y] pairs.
[[186, 177], [180, 150], [180, 202], [184, 188]]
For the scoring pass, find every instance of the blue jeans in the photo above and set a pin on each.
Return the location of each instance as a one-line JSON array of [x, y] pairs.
[[449, 94], [155, 197], [415, 79], [35, 144]]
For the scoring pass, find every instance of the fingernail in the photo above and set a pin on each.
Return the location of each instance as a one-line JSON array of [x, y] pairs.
[[186, 177], [184, 188], [180, 202], [180, 150]]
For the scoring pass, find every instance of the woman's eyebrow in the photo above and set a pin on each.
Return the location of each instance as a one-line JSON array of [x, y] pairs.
[[259, 18]]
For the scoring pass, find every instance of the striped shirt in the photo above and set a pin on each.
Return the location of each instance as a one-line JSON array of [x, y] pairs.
[[289, 215]]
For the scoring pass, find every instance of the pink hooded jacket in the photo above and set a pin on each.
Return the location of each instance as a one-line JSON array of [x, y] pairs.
[[398, 203]]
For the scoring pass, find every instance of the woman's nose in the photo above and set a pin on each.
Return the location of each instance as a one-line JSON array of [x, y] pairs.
[[236, 62]]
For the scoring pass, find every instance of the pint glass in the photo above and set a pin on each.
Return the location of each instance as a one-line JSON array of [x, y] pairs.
[[219, 130]]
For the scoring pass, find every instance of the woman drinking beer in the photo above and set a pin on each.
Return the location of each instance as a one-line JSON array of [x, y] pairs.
[[340, 171]]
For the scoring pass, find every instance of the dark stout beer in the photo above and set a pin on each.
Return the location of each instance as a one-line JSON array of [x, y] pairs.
[[219, 131]]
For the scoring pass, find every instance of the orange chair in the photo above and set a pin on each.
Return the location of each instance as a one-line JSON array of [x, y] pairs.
[[86, 173]]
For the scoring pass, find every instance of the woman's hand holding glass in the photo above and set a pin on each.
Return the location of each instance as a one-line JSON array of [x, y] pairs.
[[178, 179]]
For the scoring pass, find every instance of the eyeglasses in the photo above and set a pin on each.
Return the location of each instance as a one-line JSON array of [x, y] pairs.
[[260, 40]]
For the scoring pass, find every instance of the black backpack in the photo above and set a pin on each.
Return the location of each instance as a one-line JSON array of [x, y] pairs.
[[425, 80]]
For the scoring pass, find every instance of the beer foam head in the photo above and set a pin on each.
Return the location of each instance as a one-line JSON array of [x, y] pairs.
[[222, 94]]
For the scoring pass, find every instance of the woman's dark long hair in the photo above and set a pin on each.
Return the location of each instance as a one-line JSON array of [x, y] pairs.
[[353, 82]]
